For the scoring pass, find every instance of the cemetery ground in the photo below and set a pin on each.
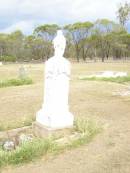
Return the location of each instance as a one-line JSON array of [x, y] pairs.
[[108, 152]]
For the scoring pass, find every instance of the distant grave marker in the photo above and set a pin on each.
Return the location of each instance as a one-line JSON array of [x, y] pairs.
[[106, 74], [23, 72]]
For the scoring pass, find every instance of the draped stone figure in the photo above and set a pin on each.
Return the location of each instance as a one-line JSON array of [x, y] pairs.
[[55, 110]]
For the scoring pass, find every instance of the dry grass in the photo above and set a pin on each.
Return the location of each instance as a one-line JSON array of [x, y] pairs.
[[87, 100], [20, 104]]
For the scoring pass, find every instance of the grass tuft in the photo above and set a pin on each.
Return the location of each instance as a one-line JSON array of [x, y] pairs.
[[86, 126], [88, 129], [27, 152], [15, 82]]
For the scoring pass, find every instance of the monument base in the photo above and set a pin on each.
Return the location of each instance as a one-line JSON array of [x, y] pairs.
[[42, 131], [56, 119]]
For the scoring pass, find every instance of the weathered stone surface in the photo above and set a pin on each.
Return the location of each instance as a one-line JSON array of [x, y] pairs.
[[42, 131], [9, 145], [106, 74], [55, 109], [14, 132]]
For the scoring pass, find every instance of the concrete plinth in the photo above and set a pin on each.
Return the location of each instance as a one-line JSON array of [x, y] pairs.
[[43, 132]]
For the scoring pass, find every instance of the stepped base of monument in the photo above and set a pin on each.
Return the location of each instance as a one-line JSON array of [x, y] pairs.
[[42, 131]]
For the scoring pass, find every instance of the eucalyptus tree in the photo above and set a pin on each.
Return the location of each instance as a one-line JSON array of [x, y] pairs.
[[126, 40], [93, 45], [121, 45], [47, 33], [103, 30], [79, 32], [15, 44], [34, 48], [3, 44], [123, 13]]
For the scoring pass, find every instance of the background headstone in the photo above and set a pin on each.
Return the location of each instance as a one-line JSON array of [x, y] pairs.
[[23, 72]]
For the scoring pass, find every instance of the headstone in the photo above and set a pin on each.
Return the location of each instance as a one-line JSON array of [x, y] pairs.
[[55, 110], [23, 73], [1, 63], [107, 74], [111, 74]]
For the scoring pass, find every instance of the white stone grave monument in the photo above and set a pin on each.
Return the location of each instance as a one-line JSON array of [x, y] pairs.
[[55, 110]]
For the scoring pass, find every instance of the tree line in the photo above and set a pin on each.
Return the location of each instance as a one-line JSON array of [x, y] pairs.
[[102, 39]]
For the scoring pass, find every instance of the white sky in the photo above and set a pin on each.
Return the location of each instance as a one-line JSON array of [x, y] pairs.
[[27, 14]]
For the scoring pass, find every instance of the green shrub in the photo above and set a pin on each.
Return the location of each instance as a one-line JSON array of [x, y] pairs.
[[15, 82], [7, 58], [110, 79]]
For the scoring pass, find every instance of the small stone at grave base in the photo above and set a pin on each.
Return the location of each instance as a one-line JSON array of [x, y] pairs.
[[9, 145], [25, 138], [43, 132]]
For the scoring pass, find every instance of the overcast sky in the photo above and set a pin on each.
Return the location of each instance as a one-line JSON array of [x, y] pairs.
[[28, 14]]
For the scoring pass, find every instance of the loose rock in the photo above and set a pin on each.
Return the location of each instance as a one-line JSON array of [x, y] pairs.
[[9, 145], [25, 138]]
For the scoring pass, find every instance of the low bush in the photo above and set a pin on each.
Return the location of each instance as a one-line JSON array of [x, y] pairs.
[[15, 82], [7, 58]]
